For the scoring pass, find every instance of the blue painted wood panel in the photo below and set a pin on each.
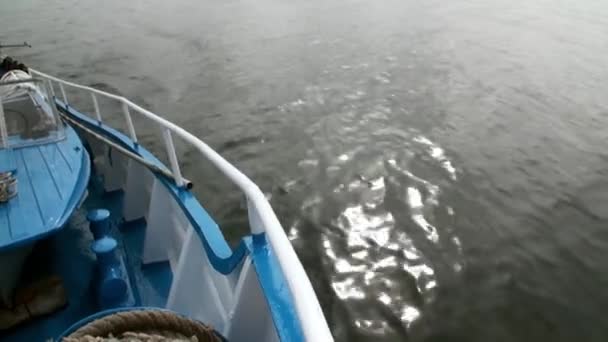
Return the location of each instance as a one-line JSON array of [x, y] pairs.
[[52, 178]]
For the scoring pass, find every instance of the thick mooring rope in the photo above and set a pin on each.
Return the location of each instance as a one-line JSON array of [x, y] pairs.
[[144, 325]]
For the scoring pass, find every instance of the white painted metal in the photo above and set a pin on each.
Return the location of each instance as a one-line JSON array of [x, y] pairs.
[[138, 191], [177, 174], [3, 132], [159, 225], [255, 221], [238, 293], [191, 275], [130, 127], [307, 307], [251, 320], [166, 227], [96, 106], [115, 172]]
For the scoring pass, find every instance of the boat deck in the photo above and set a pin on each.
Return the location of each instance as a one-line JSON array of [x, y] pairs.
[[52, 180], [68, 255]]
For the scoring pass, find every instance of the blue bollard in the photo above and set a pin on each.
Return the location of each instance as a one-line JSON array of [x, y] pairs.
[[99, 223], [112, 286]]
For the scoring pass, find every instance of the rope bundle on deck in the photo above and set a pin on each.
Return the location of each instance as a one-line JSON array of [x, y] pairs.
[[8, 186], [144, 325]]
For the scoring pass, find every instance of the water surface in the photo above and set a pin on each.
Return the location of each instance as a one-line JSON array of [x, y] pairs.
[[440, 167]]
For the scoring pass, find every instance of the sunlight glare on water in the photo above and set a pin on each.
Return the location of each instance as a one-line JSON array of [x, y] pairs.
[[374, 247]]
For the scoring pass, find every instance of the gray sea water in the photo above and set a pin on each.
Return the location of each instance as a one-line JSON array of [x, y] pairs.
[[440, 166]]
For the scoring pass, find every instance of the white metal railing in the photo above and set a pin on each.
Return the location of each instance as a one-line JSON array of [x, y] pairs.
[[3, 131], [262, 218]]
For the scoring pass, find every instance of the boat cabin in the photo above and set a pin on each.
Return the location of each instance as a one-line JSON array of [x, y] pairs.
[[27, 118]]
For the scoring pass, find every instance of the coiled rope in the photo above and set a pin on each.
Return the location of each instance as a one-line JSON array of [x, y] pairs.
[[144, 325], [8, 186]]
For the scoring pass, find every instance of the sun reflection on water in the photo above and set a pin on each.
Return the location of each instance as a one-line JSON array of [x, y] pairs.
[[377, 254], [375, 247]]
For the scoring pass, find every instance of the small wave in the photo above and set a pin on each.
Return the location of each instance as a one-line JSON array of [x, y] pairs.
[[437, 153]]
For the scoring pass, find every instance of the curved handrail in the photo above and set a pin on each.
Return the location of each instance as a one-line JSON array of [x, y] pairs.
[[262, 218], [223, 258]]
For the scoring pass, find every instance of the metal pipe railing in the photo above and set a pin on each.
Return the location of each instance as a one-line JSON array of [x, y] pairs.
[[261, 216], [177, 174], [130, 127], [3, 131], [96, 107]]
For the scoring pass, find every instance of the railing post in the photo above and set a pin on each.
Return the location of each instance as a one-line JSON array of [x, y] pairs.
[[3, 133], [65, 98], [177, 174], [96, 106], [255, 222], [125, 110]]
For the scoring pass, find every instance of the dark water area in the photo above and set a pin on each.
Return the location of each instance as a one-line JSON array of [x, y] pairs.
[[440, 167]]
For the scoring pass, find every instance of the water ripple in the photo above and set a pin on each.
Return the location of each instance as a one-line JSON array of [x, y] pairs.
[[374, 257]]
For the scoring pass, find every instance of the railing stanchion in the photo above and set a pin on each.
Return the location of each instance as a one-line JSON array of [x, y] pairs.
[[96, 106], [255, 222], [3, 132], [130, 127], [177, 174], [65, 98]]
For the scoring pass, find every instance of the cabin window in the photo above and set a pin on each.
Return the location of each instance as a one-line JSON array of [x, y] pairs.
[[29, 120]]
